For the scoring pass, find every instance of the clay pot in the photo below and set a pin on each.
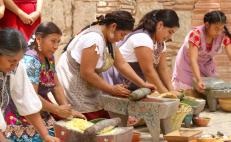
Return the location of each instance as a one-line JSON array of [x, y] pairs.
[[136, 137], [225, 104], [201, 121]]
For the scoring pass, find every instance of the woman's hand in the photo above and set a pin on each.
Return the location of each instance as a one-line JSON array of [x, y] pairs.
[[177, 93], [34, 16], [200, 86], [149, 85], [49, 138], [25, 18], [77, 114], [120, 91], [3, 138], [64, 111]]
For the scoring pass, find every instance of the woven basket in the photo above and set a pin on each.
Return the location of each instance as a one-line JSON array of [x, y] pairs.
[[178, 118]]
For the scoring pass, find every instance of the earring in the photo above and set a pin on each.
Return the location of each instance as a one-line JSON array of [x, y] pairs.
[[39, 48]]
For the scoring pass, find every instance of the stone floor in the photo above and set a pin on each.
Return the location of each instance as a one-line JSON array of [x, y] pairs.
[[220, 121]]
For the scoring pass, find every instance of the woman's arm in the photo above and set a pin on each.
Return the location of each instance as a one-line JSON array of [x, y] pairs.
[[2, 138], [193, 58], [2, 8], [17, 11], [39, 6], [59, 93], [3, 126], [164, 73], [37, 13], [12, 6], [37, 122], [124, 68], [62, 100], [145, 59], [87, 72], [228, 51], [63, 111]]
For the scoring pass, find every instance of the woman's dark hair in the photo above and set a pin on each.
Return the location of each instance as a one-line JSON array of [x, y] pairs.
[[44, 29], [123, 19], [11, 42], [149, 21], [216, 17]]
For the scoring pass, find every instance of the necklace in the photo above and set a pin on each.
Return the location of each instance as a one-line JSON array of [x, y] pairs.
[[47, 72]]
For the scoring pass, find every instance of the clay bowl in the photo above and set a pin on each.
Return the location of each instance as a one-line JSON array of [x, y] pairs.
[[136, 137], [201, 121], [207, 140], [225, 104]]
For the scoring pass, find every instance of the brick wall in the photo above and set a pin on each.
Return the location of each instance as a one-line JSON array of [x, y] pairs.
[[197, 9], [72, 15], [203, 6]]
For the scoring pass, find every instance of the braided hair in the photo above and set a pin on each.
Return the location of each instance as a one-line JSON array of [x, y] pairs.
[[44, 29], [123, 20], [149, 21], [215, 17]]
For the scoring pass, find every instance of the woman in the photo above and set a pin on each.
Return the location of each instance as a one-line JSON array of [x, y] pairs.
[[195, 58], [144, 49], [40, 66], [23, 15], [15, 87], [90, 53], [2, 8]]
